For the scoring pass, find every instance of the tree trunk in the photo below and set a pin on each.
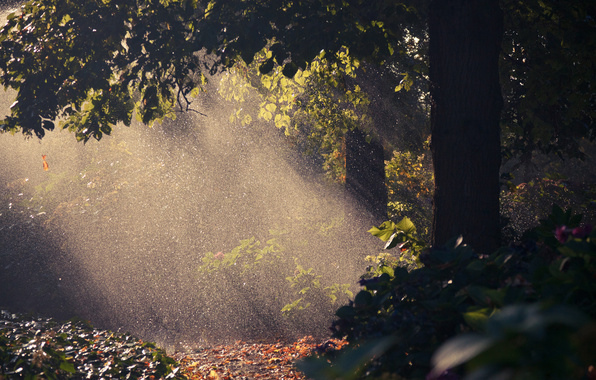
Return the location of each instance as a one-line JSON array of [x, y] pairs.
[[465, 38], [365, 174]]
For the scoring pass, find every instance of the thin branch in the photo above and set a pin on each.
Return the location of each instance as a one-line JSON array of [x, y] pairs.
[[188, 103]]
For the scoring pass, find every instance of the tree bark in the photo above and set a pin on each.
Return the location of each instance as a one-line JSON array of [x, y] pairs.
[[465, 38], [365, 174]]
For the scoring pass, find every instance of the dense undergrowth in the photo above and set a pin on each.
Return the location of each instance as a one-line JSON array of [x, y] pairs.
[[39, 348], [526, 311]]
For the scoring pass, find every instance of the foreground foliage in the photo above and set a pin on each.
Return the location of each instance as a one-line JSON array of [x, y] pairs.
[[43, 348], [527, 311]]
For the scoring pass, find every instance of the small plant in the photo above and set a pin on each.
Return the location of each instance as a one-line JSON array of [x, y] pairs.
[[257, 267], [402, 236], [243, 258], [307, 285]]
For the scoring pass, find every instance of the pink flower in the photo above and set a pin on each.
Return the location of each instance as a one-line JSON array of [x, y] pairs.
[[218, 256], [562, 234], [582, 232]]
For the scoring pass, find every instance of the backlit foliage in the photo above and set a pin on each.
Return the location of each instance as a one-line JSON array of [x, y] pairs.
[[95, 62], [276, 263], [90, 65], [410, 188], [315, 108]]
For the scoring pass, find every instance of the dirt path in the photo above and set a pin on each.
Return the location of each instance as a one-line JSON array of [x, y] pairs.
[[250, 360]]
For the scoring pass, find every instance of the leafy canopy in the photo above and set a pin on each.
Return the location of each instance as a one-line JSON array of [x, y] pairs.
[[315, 108], [91, 65]]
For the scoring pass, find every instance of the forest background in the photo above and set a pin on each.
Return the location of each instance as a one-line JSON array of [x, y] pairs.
[[369, 79]]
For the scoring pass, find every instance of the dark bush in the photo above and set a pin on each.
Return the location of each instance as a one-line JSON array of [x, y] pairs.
[[456, 291]]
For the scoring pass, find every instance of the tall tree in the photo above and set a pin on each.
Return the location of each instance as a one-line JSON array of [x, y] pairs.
[[465, 39], [365, 173]]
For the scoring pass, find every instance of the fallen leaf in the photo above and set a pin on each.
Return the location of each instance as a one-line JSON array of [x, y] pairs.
[[46, 167]]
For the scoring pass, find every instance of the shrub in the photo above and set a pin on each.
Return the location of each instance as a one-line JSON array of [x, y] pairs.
[[524, 341], [553, 338], [274, 279], [410, 187], [456, 291]]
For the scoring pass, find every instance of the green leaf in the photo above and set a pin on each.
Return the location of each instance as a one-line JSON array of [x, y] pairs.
[[406, 226], [291, 306], [459, 350], [247, 56], [265, 115], [363, 298], [271, 107], [67, 366], [345, 312], [486, 296], [388, 270], [477, 318], [384, 231]]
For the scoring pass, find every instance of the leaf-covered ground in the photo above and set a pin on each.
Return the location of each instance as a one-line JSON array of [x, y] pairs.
[[42, 348], [251, 360]]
